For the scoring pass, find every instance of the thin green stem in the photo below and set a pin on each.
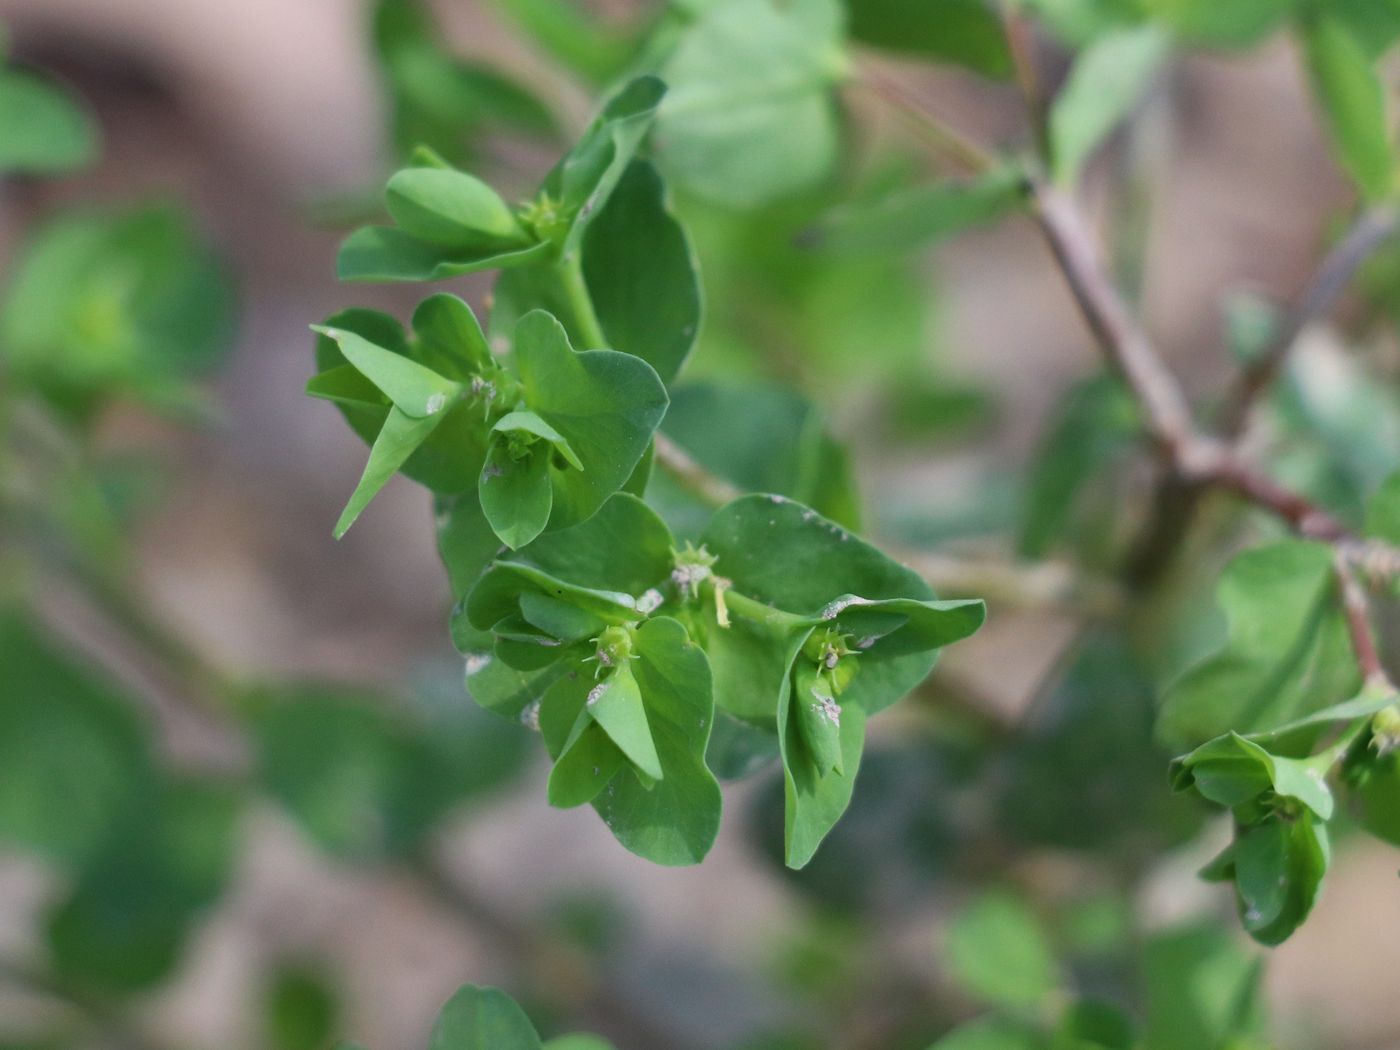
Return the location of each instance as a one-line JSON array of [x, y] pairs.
[[590, 330]]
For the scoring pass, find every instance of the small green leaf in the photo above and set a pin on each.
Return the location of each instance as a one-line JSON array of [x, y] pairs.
[[516, 494], [1277, 866], [966, 32], [449, 339], [605, 404], [386, 253], [675, 820], [416, 391], [527, 423], [483, 1019], [1353, 104], [453, 210], [46, 130], [617, 706], [1232, 770], [397, 440], [1104, 84], [583, 180], [589, 760]]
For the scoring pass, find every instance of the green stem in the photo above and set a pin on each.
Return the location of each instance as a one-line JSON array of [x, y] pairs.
[[758, 612], [590, 330]]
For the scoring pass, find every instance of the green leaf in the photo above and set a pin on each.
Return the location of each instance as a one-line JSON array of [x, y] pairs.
[[1383, 511], [63, 723], [1095, 424], [1277, 866], [363, 781], [784, 447], [583, 181], [1287, 653], [921, 216], [453, 210], [483, 1019], [1232, 770], [998, 951], [123, 925], [675, 820], [301, 1010], [448, 339], [46, 130], [529, 424], [784, 555], [1091, 1025], [617, 706], [641, 273], [1106, 81], [1202, 990], [124, 303], [515, 492], [1353, 104], [750, 116], [416, 391], [966, 32], [605, 404], [385, 253], [814, 798], [1235, 25], [604, 565], [589, 760], [400, 436]]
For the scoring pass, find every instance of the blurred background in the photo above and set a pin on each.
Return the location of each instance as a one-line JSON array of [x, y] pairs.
[[398, 842]]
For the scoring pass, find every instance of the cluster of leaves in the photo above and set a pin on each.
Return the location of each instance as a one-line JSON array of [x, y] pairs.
[[1275, 714], [546, 448]]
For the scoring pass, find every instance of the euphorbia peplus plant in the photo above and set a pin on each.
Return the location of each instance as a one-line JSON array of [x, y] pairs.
[[580, 612]]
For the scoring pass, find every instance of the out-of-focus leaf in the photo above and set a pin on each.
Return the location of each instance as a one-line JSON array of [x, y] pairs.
[[965, 32], [1096, 423], [562, 30], [1287, 653], [1235, 25], [43, 129], [920, 216], [783, 448], [1091, 1025], [361, 782], [441, 101], [750, 115], [1202, 990], [1105, 83], [1353, 105], [125, 922], [73, 756], [997, 949], [483, 1019], [102, 304], [301, 1009]]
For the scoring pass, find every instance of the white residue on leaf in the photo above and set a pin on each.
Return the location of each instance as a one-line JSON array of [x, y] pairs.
[[840, 605], [436, 402], [477, 662], [595, 693], [530, 716], [827, 707], [650, 601]]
